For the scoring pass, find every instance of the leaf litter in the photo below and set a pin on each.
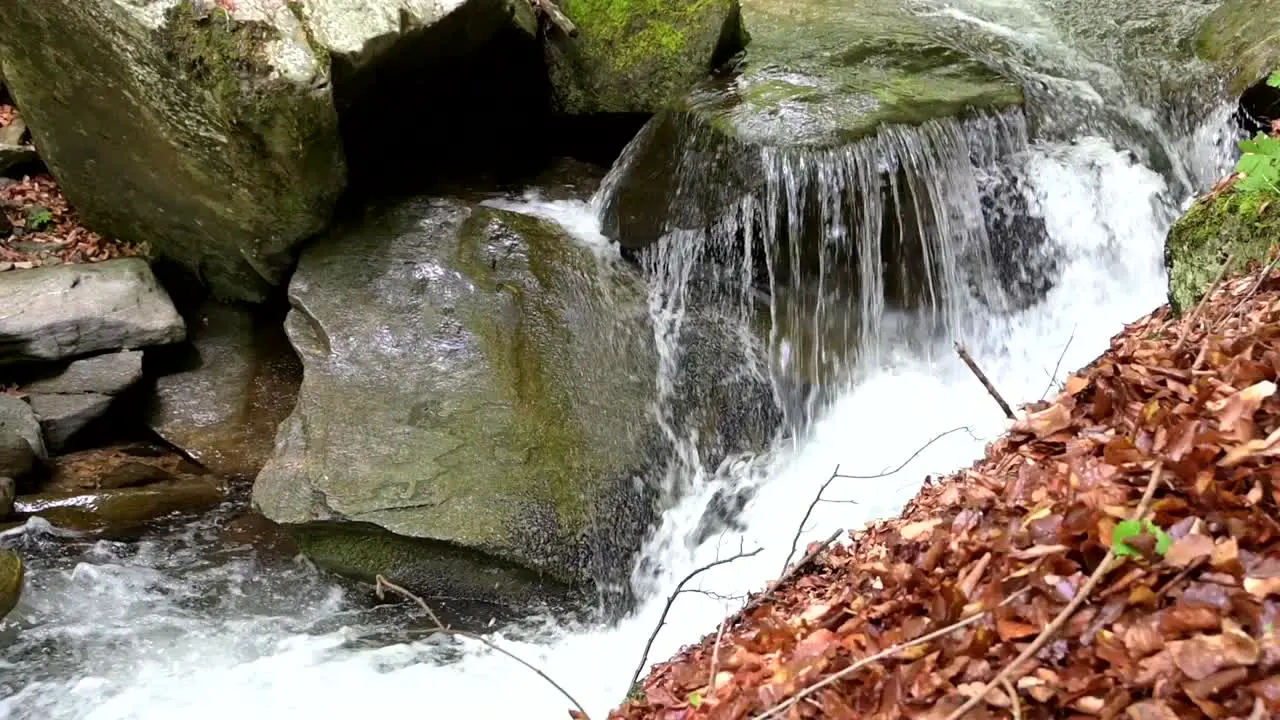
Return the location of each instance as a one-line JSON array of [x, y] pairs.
[[45, 228], [1184, 624]]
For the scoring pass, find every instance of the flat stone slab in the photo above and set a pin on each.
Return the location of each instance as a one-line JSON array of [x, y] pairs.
[[64, 311]]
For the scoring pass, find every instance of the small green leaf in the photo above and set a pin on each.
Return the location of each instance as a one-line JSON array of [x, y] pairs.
[[1132, 528], [1274, 79], [695, 699]]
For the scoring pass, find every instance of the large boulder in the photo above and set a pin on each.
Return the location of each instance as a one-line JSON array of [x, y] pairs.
[[1213, 228], [474, 413], [469, 387], [1243, 38], [63, 311], [222, 396], [639, 56], [209, 135]]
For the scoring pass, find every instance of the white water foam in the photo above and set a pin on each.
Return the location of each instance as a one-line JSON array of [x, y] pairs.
[[1105, 213]]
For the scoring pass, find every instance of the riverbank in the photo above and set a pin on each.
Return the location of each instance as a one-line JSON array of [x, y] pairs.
[[1059, 599]]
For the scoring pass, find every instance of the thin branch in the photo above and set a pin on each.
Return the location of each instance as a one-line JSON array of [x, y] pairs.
[[1058, 365], [1266, 273], [1012, 692], [837, 475], [780, 708], [1049, 632], [662, 620], [982, 378], [715, 655], [382, 585], [1199, 308], [548, 9]]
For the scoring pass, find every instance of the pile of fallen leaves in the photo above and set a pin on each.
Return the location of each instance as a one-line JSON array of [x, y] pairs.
[[1182, 622], [40, 228]]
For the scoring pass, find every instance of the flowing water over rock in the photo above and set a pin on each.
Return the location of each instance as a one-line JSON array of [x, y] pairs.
[[1030, 237]]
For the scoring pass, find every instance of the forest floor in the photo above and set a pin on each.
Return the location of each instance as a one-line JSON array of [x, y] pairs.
[[1115, 554], [38, 227]]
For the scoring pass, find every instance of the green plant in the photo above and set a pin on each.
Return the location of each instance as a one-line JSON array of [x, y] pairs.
[[39, 217], [1134, 528], [1259, 164]]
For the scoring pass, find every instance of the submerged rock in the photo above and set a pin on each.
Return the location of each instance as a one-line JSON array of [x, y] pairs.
[[211, 136], [476, 383], [118, 490], [1212, 229], [1243, 38], [65, 311], [10, 581], [638, 56], [228, 391]]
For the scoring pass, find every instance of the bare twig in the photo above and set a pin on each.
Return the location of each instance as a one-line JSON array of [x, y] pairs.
[[715, 655], [780, 708], [662, 619], [1012, 692], [1058, 365], [382, 585], [982, 378], [1266, 273], [837, 475], [1195, 312], [1049, 632]]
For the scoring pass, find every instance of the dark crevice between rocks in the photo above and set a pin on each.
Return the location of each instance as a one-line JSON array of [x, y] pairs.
[[462, 104], [1259, 106]]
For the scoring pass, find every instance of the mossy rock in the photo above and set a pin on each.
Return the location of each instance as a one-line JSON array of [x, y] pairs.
[[209, 137], [1244, 224], [638, 55], [122, 511], [829, 72], [1243, 38], [11, 572]]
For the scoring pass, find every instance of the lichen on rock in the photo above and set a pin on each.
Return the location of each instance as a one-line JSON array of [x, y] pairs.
[[1243, 38]]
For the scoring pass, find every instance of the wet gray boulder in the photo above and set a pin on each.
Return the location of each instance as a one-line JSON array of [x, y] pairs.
[[474, 404], [210, 136], [64, 311], [17, 417], [222, 396], [66, 402], [17, 458], [1242, 38]]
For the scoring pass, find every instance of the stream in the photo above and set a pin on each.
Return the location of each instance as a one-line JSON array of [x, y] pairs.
[[179, 626]]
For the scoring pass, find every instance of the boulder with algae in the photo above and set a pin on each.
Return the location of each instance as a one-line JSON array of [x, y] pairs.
[[818, 73], [209, 135], [1243, 38]]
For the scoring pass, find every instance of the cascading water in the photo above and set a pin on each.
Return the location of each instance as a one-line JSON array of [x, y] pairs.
[[164, 628]]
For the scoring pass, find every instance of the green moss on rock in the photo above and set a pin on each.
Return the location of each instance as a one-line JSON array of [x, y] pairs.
[[1246, 225], [639, 55]]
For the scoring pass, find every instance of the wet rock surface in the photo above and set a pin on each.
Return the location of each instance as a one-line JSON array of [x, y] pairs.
[[221, 397], [17, 417]]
